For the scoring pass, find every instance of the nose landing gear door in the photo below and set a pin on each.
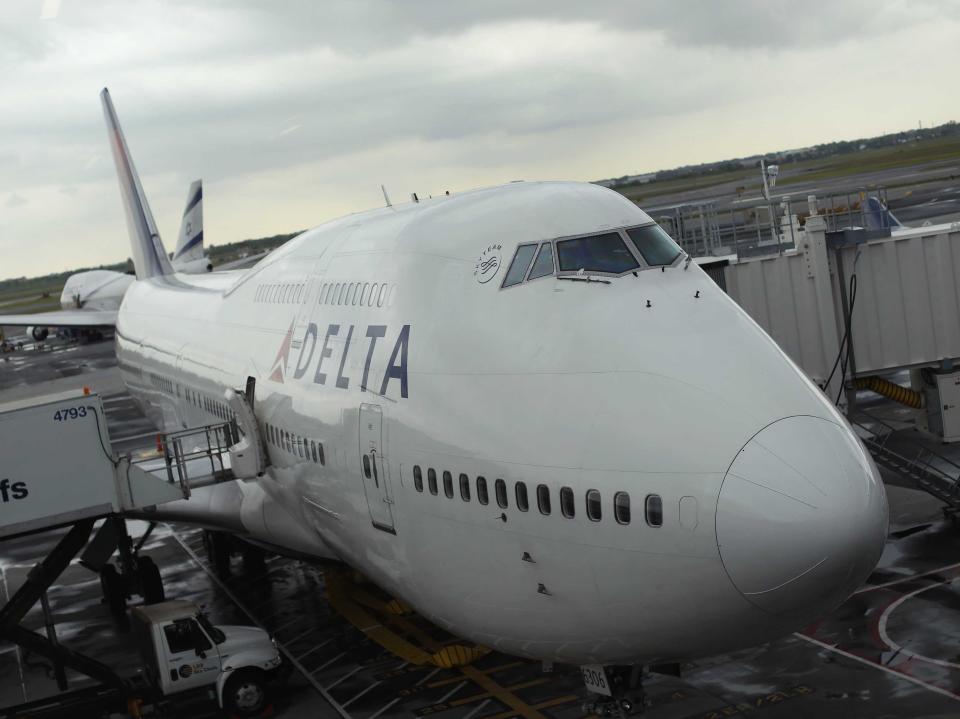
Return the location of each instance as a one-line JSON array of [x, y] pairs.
[[376, 480]]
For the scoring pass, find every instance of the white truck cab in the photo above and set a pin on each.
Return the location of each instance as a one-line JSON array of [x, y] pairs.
[[183, 651]]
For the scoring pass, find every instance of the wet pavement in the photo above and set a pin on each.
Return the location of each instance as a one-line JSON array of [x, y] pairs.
[[892, 650]]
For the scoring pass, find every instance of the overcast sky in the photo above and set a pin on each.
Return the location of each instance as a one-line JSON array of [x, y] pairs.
[[294, 112]]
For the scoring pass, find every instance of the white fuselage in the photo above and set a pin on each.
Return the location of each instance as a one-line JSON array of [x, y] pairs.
[[654, 384], [95, 290]]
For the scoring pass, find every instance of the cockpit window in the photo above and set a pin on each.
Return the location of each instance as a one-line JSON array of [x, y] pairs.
[[654, 245], [518, 268], [543, 265], [596, 253]]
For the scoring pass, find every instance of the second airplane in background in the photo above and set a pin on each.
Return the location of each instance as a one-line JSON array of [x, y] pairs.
[[90, 300]]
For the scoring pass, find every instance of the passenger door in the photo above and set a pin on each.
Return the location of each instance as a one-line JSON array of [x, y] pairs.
[[376, 482], [192, 659]]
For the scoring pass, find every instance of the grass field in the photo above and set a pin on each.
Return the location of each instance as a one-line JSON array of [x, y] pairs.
[[886, 158], [32, 300], [911, 154]]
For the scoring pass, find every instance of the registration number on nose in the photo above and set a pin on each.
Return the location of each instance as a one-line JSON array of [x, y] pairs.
[[595, 677]]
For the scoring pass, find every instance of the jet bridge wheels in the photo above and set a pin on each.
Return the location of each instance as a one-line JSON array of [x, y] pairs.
[[151, 584], [114, 591], [220, 548]]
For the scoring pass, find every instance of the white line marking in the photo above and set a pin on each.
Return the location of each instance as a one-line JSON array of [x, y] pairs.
[[902, 650], [345, 676], [450, 693], [477, 709], [892, 672], [354, 698], [327, 663], [312, 649], [895, 582], [384, 708]]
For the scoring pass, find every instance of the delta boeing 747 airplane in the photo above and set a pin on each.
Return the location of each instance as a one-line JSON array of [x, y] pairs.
[[522, 410]]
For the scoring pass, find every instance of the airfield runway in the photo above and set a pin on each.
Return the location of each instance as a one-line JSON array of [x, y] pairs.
[[892, 650]]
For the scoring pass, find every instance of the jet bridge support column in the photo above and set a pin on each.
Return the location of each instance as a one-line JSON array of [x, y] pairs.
[[817, 260]]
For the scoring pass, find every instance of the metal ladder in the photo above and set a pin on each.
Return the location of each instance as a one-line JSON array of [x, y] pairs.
[[928, 470]]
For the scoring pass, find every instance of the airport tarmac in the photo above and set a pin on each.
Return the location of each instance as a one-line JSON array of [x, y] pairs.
[[892, 650]]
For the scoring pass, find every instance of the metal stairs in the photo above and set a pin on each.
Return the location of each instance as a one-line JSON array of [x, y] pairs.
[[892, 449]]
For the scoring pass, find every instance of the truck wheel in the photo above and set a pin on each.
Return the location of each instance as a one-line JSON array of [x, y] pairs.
[[218, 546], [151, 584], [245, 693], [111, 584]]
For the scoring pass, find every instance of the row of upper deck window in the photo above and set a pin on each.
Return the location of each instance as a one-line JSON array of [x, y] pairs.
[[653, 504], [292, 443], [363, 294], [608, 253], [197, 399], [280, 294]]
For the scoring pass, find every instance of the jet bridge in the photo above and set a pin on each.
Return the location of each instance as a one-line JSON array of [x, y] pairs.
[[57, 469]]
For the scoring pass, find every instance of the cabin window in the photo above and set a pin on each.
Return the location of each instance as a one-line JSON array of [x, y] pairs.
[[381, 296], [432, 481], [355, 295], [567, 504], [417, 478], [448, 484], [301, 447], [597, 253], [543, 498], [366, 466], [482, 495], [323, 460], [543, 265], [464, 488], [520, 491], [654, 510], [519, 265], [621, 507], [373, 295], [655, 246], [313, 451], [594, 513], [286, 440], [501, 489], [363, 293], [350, 288]]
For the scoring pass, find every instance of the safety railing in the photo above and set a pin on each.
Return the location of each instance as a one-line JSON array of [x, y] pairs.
[[195, 457]]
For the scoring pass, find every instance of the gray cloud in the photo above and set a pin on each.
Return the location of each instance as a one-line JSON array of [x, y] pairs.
[[15, 200], [286, 109]]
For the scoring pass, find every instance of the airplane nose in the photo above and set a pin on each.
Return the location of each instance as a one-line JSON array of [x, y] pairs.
[[802, 516]]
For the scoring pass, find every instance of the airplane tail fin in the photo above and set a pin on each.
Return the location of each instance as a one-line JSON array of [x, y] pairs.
[[876, 215], [149, 257], [190, 241]]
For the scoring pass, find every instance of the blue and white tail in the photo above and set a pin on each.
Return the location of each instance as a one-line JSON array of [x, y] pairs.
[[149, 257], [877, 216], [190, 242]]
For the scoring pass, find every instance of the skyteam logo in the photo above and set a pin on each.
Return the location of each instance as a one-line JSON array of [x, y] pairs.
[[279, 369], [488, 264]]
